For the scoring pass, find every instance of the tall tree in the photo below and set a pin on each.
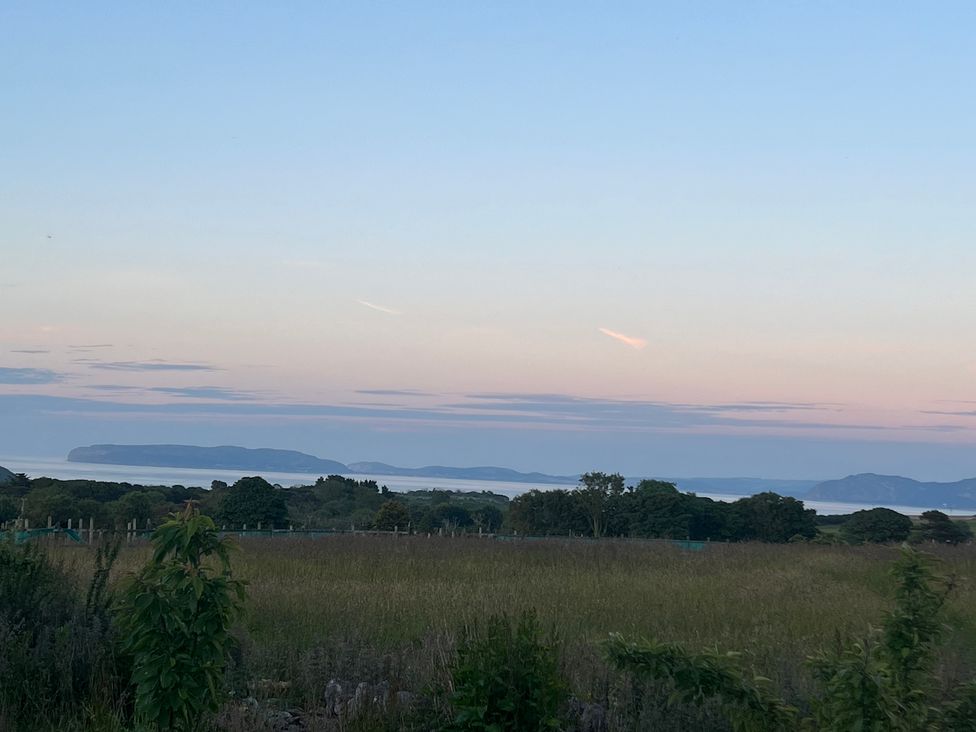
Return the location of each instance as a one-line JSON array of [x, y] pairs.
[[771, 517], [392, 515], [252, 501], [595, 492]]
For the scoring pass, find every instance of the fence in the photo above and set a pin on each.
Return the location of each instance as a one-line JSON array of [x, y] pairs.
[[81, 535]]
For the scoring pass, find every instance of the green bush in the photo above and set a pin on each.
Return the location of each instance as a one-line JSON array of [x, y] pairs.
[[938, 527], [392, 515], [876, 525], [56, 658], [506, 678], [177, 615]]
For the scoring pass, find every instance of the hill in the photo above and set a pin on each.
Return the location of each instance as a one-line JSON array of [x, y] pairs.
[[5, 475], [191, 456], [897, 490]]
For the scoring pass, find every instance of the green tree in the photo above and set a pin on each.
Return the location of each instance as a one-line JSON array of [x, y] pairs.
[[876, 525], [772, 518], [938, 527], [138, 505], [390, 516], [51, 501], [655, 509], [450, 516], [488, 518], [252, 501], [546, 512], [176, 617], [8, 510], [595, 493]]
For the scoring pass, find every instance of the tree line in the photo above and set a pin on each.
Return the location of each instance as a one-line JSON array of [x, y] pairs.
[[602, 505]]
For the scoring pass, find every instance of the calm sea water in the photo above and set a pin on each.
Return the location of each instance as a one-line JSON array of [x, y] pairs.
[[61, 468]]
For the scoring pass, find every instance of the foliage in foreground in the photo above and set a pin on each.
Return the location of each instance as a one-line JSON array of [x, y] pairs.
[[882, 682], [176, 619], [506, 678], [56, 655]]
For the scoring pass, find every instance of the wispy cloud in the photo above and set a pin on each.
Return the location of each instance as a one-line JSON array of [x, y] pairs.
[[380, 308], [30, 350], [29, 376], [92, 345], [219, 393], [632, 341], [155, 365], [393, 392], [205, 392]]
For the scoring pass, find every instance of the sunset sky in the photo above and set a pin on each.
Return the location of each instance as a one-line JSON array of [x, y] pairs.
[[684, 239]]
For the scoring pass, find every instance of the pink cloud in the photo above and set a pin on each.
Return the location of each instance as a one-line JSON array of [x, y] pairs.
[[632, 341]]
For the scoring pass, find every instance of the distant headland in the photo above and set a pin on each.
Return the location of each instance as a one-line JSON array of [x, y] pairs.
[[861, 488]]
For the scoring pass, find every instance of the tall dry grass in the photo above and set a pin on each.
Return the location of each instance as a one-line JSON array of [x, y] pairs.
[[373, 608]]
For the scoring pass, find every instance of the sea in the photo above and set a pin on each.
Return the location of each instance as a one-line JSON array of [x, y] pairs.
[[51, 467]]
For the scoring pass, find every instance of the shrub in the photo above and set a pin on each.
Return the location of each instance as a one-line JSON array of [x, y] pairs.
[[177, 615], [938, 527], [56, 655], [876, 525], [506, 677]]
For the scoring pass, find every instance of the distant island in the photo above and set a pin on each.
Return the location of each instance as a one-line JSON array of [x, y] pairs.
[[285, 461], [867, 488], [225, 457], [894, 489]]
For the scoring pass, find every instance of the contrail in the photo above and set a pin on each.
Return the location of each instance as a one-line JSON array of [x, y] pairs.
[[388, 311], [632, 341]]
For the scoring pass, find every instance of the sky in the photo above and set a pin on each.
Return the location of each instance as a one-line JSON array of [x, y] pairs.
[[687, 239]]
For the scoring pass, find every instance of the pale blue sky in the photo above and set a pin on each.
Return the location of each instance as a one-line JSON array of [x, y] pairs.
[[775, 198]]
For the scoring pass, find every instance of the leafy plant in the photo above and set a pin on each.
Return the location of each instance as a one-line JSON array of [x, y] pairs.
[[699, 677], [883, 681], [506, 678], [177, 615]]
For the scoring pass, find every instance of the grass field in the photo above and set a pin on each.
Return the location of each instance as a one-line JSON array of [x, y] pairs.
[[371, 608]]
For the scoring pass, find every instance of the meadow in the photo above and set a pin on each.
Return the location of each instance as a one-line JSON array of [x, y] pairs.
[[384, 609]]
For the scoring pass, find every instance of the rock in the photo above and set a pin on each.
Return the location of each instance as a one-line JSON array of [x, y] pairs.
[[333, 697], [280, 721], [251, 703], [381, 694], [359, 701]]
